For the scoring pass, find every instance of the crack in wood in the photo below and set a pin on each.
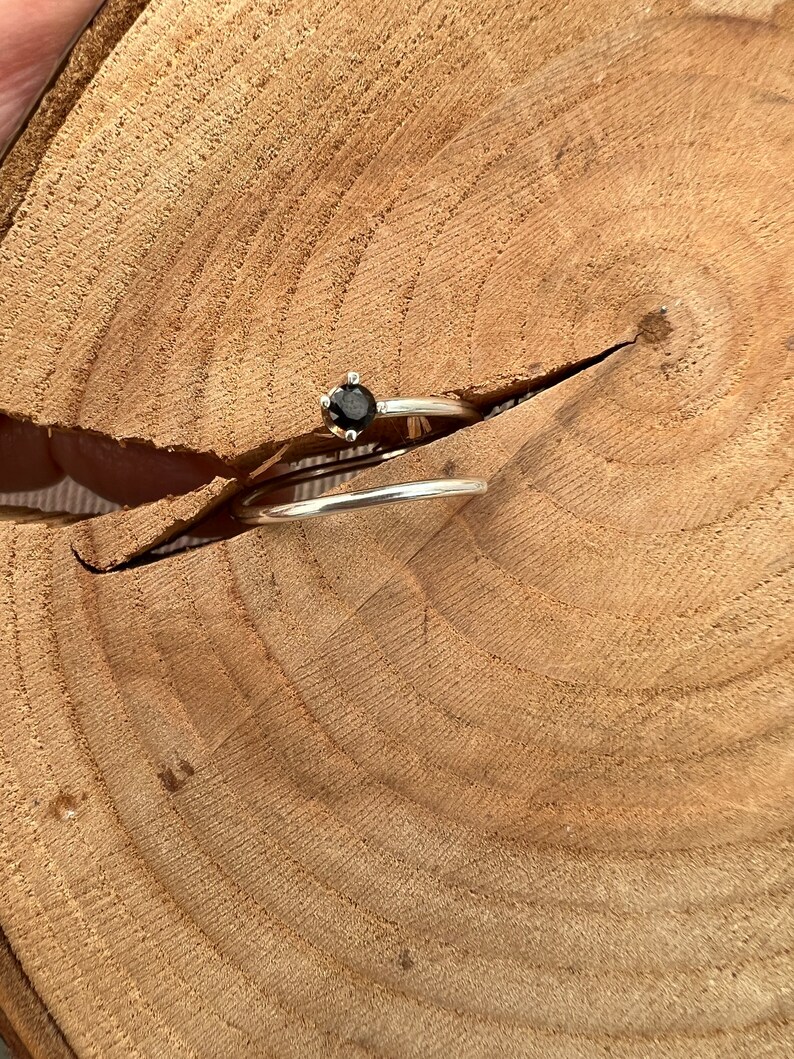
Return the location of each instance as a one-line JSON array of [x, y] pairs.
[[556, 377], [498, 407]]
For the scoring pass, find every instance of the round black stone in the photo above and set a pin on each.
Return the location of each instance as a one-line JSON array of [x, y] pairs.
[[352, 407]]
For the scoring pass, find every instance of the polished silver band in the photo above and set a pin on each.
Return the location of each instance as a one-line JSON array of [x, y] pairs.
[[428, 408], [247, 510], [350, 409]]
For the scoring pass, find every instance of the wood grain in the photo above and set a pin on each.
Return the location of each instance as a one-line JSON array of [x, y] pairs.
[[23, 1018], [119, 536], [507, 777], [21, 158], [295, 148]]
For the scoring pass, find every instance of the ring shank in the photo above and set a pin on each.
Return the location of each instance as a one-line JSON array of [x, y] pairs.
[[428, 408], [246, 510]]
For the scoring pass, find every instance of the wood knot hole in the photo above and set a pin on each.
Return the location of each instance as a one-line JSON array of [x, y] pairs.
[[64, 806], [174, 779], [655, 327]]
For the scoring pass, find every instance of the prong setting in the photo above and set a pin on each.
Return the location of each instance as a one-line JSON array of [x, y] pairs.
[[349, 408]]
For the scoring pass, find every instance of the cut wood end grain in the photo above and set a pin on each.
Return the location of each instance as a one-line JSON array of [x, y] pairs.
[[107, 541], [511, 777]]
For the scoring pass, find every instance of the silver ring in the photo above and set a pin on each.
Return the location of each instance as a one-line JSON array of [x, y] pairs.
[[350, 408], [246, 510]]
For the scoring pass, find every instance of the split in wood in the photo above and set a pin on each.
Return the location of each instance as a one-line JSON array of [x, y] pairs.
[[162, 528]]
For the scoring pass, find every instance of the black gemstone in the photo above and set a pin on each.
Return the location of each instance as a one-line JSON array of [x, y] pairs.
[[352, 407]]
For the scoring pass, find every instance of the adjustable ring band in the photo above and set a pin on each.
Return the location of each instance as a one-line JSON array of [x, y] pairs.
[[350, 408], [247, 510], [428, 408]]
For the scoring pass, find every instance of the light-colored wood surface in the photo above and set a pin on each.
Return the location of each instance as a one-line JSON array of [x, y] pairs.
[[243, 176], [26, 1028], [119, 536], [508, 777]]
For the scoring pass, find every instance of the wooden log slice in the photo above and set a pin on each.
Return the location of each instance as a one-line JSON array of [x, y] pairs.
[[268, 192], [511, 777]]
